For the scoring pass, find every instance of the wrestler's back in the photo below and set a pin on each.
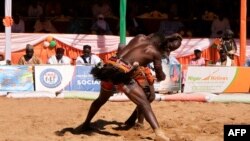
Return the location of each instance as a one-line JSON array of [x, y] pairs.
[[139, 50]]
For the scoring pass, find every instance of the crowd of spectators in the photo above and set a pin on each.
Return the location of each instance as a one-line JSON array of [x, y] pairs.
[[80, 16]]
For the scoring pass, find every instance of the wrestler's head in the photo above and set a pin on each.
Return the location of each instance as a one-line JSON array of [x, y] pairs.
[[157, 39], [86, 50], [172, 42]]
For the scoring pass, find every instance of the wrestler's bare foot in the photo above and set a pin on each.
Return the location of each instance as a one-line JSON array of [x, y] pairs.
[[138, 126], [160, 135]]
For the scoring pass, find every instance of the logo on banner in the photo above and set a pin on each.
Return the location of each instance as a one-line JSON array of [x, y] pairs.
[[51, 78]]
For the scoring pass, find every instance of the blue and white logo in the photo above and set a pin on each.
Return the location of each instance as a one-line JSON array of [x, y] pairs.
[[51, 78]]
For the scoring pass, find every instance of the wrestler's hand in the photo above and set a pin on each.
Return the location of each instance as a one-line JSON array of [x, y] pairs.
[[160, 77]]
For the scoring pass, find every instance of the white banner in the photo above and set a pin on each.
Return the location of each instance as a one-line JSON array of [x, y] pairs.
[[53, 78], [209, 79]]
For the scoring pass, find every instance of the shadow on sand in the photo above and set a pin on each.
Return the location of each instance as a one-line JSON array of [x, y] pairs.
[[96, 127]]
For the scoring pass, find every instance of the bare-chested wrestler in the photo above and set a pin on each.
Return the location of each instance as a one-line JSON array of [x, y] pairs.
[[121, 71], [173, 43]]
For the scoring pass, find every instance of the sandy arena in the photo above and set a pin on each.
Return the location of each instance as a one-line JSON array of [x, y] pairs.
[[39, 119]]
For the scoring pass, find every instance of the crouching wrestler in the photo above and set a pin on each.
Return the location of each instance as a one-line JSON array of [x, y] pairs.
[[122, 71], [173, 42]]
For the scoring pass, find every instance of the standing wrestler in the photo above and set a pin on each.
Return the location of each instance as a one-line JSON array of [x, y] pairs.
[[120, 71]]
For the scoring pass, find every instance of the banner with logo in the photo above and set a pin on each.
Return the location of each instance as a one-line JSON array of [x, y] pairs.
[[16, 78], [217, 79], [172, 81], [53, 78], [83, 80]]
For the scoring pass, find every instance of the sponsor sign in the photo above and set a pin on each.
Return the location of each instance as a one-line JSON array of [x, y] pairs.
[[217, 79], [83, 80], [53, 78], [16, 78]]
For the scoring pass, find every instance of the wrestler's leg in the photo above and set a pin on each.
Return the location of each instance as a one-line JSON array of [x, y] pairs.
[[136, 94], [94, 108], [150, 98], [137, 113]]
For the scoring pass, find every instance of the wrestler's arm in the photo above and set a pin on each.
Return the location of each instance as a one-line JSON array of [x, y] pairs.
[[160, 75]]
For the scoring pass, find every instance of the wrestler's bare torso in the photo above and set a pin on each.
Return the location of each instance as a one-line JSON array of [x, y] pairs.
[[140, 49]]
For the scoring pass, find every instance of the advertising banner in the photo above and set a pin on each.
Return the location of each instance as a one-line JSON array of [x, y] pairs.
[[172, 81], [53, 78], [83, 80], [217, 79], [16, 78]]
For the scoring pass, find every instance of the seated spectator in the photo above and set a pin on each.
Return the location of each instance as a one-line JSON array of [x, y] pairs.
[[29, 58], [224, 59], [197, 60], [53, 8], [59, 58], [170, 26], [75, 25], [87, 58], [219, 26], [102, 7], [101, 27], [35, 10], [18, 25], [44, 25], [3, 61], [134, 26], [247, 64]]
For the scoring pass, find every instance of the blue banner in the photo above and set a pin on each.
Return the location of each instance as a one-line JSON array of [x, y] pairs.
[[83, 80], [16, 78]]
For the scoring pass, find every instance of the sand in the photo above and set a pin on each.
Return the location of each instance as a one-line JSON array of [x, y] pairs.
[[39, 119]]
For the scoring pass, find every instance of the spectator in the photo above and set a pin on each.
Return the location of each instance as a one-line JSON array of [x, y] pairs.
[[44, 25], [101, 27], [102, 7], [3, 61], [29, 58], [75, 25], [224, 59], [18, 25], [170, 26], [87, 58], [228, 43], [197, 60], [35, 10], [59, 58], [247, 64], [219, 26], [134, 27], [53, 8]]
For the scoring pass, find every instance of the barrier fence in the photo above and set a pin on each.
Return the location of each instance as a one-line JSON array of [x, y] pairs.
[[54, 78]]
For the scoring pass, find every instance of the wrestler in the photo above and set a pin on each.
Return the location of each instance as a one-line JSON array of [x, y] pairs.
[[173, 43], [120, 71]]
